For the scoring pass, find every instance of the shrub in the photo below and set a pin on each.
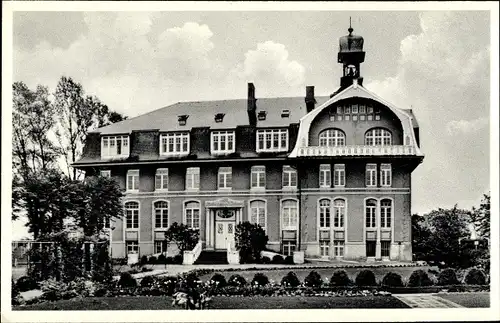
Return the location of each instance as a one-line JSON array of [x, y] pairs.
[[219, 280], [419, 278], [152, 260], [340, 278], [236, 280], [144, 260], [313, 279], [250, 239], [178, 259], [15, 298], [266, 260], [289, 260], [167, 284], [392, 280], [102, 269], [277, 259], [126, 280], [290, 280], [162, 259], [475, 277], [147, 281], [366, 278], [260, 279], [447, 277], [81, 287], [183, 236], [53, 290], [26, 283]]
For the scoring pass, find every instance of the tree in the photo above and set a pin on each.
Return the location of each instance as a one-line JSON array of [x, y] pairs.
[[183, 236], [251, 239], [420, 234], [481, 217]]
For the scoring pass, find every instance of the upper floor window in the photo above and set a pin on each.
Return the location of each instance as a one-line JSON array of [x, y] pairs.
[[222, 142], [132, 215], [192, 214], [225, 177], [161, 179], [331, 138], [174, 143], [114, 146], [133, 180], [272, 140], [370, 213], [193, 178], [289, 177], [378, 137], [161, 214], [339, 175], [338, 213], [258, 213], [289, 215], [371, 175], [325, 177], [105, 173], [258, 177], [385, 175], [324, 213], [385, 213]]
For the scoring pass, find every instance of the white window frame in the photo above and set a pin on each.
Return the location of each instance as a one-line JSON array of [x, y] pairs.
[[135, 213], [225, 178], [370, 213], [325, 213], [266, 140], [192, 179], [339, 213], [324, 248], [325, 176], [339, 175], [257, 211], [164, 222], [288, 246], [195, 206], [338, 248], [135, 175], [287, 209], [109, 151], [386, 213], [219, 137], [378, 137], [385, 175], [332, 138], [161, 179], [132, 245], [105, 173], [258, 177], [174, 144], [163, 247], [288, 177], [382, 243], [371, 175]]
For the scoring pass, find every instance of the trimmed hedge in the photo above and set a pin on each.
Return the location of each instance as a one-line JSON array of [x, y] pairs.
[[219, 280], [448, 277], [265, 260], [290, 280], [419, 278], [366, 278], [475, 277], [313, 279], [236, 280], [147, 281], [289, 260], [26, 283], [260, 279], [392, 280], [126, 280], [340, 278], [277, 259]]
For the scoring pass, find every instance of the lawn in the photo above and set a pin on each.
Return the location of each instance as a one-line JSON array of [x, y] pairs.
[[326, 273], [254, 302], [466, 300]]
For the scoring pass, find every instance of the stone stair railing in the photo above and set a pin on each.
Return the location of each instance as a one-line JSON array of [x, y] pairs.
[[233, 255], [191, 256]]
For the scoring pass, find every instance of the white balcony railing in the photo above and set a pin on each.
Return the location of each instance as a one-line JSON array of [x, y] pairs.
[[356, 150]]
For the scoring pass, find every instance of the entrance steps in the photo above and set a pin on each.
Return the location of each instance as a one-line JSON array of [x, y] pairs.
[[210, 257]]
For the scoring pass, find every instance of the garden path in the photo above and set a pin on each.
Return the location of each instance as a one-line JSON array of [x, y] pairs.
[[426, 301]]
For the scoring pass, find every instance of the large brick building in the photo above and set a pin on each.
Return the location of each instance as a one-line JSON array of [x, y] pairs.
[[327, 175]]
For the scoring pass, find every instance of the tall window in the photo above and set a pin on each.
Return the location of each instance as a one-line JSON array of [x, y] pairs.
[[161, 179], [225, 177], [331, 138], [338, 213], [132, 247], [289, 247], [114, 146], [325, 177], [385, 213], [258, 177], [161, 214], [161, 246], [378, 137], [133, 180], [371, 175], [223, 142], [174, 143], [370, 213], [258, 213], [385, 175], [132, 215], [192, 214], [339, 175], [289, 177], [289, 215], [272, 140], [338, 248], [324, 213], [105, 173], [385, 249], [193, 178], [324, 248]]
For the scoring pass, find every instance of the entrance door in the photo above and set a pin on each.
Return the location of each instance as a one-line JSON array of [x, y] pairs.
[[224, 234]]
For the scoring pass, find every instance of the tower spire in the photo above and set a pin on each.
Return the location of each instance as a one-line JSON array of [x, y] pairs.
[[350, 30], [351, 55]]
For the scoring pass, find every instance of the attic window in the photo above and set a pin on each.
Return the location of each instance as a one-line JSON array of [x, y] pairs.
[[262, 115], [183, 119], [219, 117], [285, 113]]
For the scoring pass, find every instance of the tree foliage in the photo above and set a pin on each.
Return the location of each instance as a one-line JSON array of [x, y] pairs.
[[251, 239], [481, 217], [183, 236]]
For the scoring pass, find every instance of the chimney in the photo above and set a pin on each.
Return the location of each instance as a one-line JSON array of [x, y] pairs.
[[251, 105], [310, 100]]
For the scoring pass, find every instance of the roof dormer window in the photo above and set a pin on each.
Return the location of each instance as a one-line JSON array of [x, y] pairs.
[[174, 144], [219, 117], [183, 119], [114, 146], [285, 113], [262, 115], [222, 142]]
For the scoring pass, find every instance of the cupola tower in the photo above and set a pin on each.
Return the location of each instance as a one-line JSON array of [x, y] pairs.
[[351, 55]]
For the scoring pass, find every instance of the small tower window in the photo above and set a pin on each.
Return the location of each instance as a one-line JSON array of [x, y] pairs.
[[219, 117], [262, 115], [183, 119], [285, 113]]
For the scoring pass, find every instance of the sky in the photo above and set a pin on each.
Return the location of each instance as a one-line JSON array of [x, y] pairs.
[[436, 63]]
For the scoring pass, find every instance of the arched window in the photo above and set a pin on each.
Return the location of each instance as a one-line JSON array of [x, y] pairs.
[[332, 137], [338, 213], [132, 215], [161, 214], [370, 213], [324, 213], [289, 215], [378, 137], [258, 213], [192, 214], [385, 213]]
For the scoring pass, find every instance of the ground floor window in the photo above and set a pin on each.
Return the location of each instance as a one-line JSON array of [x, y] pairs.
[[338, 248], [289, 247], [160, 246], [370, 248], [324, 248], [132, 247], [385, 248]]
